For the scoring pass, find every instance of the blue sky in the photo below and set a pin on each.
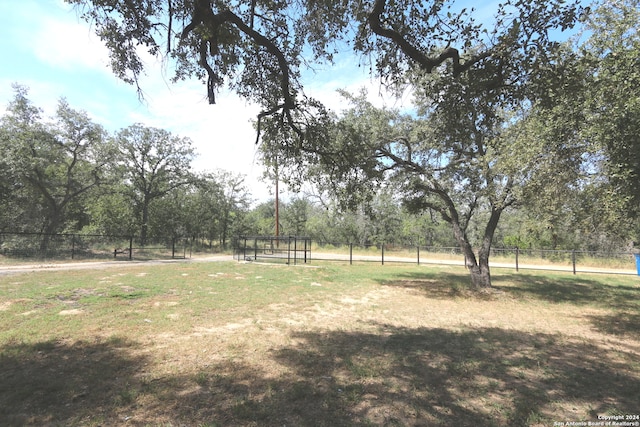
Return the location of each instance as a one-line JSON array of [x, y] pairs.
[[46, 47]]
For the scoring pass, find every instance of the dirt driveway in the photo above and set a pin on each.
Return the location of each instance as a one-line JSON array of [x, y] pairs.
[[60, 266]]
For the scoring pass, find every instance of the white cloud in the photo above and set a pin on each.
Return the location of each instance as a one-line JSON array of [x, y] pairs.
[[324, 84], [68, 45], [52, 32]]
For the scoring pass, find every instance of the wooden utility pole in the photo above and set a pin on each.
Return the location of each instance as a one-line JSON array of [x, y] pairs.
[[277, 207]]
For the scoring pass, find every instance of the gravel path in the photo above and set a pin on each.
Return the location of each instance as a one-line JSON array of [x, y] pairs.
[[61, 266]]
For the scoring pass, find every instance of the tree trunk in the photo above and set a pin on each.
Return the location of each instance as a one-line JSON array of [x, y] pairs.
[[480, 274], [145, 221], [50, 227], [479, 267]]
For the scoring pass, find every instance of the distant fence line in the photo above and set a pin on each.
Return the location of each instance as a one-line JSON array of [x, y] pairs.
[[294, 249], [76, 246]]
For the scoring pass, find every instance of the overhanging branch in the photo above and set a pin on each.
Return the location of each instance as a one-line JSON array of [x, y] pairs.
[[203, 15], [425, 62]]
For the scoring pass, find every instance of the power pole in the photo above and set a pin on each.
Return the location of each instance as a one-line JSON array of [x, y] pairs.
[[277, 207]]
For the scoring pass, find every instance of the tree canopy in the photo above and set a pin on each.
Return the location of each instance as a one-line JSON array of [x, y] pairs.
[[51, 164], [612, 66], [260, 47], [155, 163]]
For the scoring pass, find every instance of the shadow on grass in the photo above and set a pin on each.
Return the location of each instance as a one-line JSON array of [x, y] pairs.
[[572, 290], [622, 301], [561, 289], [392, 376], [622, 324], [434, 284], [418, 377], [480, 377], [50, 383]]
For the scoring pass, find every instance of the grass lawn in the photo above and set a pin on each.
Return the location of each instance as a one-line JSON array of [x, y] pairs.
[[228, 344]]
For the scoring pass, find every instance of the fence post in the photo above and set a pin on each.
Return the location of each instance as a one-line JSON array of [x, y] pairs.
[[173, 247], [350, 253], [418, 247], [73, 245], [573, 260], [255, 249], [383, 254], [130, 248], [289, 250], [295, 250], [517, 254], [244, 251]]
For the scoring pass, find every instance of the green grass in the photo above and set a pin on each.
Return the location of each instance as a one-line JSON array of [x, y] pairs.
[[231, 344]]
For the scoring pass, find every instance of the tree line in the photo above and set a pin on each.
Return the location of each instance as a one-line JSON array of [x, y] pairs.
[[66, 174]]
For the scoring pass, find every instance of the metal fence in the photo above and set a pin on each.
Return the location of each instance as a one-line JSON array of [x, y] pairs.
[[69, 246], [295, 249], [292, 249]]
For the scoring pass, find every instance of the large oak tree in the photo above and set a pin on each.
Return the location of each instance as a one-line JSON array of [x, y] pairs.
[[154, 163], [51, 164]]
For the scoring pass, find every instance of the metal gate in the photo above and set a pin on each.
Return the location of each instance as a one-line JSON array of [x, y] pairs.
[[290, 249]]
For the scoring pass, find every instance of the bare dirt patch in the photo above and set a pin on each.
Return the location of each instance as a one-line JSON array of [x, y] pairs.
[[72, 312]]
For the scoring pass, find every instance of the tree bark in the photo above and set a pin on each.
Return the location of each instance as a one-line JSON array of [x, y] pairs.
[[145, 222], [50, 227], [480, 273], [478, 266]]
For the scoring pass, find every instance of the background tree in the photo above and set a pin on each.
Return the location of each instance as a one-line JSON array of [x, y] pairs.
[[610, 60], [591, 115], [155, 162], [294, 216], [111, 211], [20, 124], [169, 215], [234, 203], [260, 221], [203, 208], [53, 164]]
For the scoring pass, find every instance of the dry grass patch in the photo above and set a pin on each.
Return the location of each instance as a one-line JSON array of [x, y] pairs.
[[226, 344]]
